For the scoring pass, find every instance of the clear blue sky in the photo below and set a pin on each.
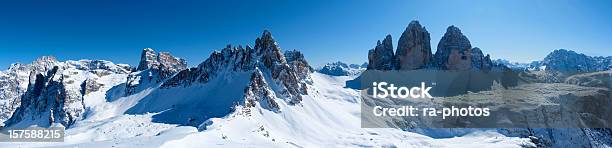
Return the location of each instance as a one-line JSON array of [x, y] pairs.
[[326, 31]]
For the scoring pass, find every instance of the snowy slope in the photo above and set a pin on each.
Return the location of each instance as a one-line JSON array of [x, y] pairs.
[[328, 116]]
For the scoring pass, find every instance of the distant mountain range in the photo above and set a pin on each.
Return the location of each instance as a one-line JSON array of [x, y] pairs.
[[342, 69], [267, 97], [563, 60]]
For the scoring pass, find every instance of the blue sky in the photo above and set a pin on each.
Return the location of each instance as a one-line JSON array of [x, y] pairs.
[[326, 31]]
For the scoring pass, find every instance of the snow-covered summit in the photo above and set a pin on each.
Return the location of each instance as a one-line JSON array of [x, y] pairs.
[[342, 69], [48, 91], [290, 77]]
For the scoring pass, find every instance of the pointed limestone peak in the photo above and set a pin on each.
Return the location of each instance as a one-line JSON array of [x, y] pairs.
[[388, 42], [169, 62], [413, 47], [453, 29], [267, 47], [148, 59], [266, 41], [382, 56], [453, 50], [415, 25]]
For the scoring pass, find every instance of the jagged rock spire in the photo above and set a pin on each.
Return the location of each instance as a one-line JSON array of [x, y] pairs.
[[267, 47], [148, 59], [413, 49], [454, 50], [290, 73], [382, 57]]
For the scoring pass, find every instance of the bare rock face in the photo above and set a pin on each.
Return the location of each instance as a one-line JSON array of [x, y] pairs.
[[50, 98], [298, 63], [454, 51], [154, 68], [258, 91], [289, 74], [163, 61], [382, 57], [170, 63], [14, 83], [64, 93], [90, 85], [479, 61], [413, 49], [148, 59]]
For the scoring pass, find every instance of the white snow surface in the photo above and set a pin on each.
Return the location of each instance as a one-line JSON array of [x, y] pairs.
[[328, 117]]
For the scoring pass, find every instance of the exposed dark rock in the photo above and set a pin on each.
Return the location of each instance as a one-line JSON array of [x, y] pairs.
[[258, 91], [291, 74], [382, 57], [454, 51], [298, 63], [90, 85], [153, 69], [413, 48], [49, 99]]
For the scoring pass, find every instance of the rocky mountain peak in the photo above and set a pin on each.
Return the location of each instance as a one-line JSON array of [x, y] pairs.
[[268, 48], [148, 59], [297, 62], [164, 61], [382, 57], [154, 68], [174, 64], [413, 49], [454, 51], [44, 63], [289, 71], [480, 61], [569, 61]]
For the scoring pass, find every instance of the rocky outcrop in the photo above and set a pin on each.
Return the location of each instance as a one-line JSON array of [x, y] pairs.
[[90, 85], [50, 99], [14, 83], [480, 61], [414, 52], [148, 59], [382, 57], [48, 91], [454, 51], [413, 48], [289, 74], [258, 91], [299, 64], [154, 68], [594, 79]]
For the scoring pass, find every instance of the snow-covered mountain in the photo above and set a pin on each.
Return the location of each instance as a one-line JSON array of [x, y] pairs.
[[534, 65], [570, 61], [54, 91], [342, 69], [563, 60], [561, 65], [258, 96]]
